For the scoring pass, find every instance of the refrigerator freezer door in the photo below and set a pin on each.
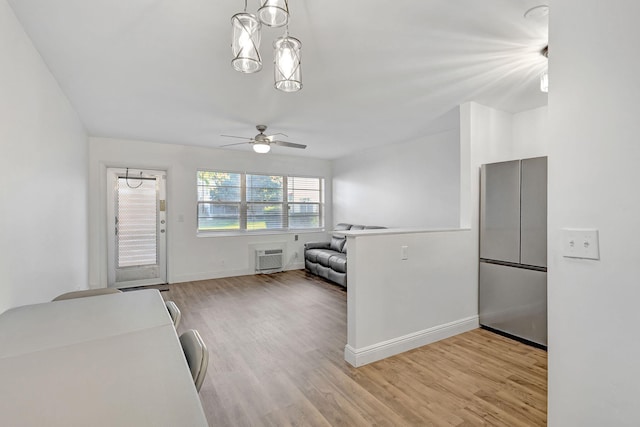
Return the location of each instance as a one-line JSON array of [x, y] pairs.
[[500, 211], [514, 300], [533, 221]]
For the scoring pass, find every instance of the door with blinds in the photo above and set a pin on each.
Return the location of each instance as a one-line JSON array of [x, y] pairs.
[[136, 228]]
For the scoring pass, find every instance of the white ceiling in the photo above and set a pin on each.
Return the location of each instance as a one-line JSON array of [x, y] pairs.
[[374, 72]]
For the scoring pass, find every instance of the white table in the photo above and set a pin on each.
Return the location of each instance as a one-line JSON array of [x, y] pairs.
[[111, 360]]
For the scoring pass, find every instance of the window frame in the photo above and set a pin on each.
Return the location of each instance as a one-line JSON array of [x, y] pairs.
[[244, 206]]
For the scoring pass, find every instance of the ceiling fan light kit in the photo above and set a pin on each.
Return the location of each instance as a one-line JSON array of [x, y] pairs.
[[245, 44], [261, 147], [261, 143]]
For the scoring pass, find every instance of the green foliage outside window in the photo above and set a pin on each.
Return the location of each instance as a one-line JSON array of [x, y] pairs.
[[237, 201]]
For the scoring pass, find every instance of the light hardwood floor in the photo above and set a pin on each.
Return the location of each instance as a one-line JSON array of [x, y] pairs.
[[276, 346]]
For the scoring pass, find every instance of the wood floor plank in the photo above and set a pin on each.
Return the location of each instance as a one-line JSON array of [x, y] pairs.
[[276, 345]]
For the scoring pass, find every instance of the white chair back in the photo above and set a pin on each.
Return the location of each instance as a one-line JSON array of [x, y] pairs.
[[197, 355], [174, 312], [87, 293]]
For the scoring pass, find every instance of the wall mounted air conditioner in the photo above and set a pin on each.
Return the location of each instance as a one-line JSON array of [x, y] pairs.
[[269, 260]]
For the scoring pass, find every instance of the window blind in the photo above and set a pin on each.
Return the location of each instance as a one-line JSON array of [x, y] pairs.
[[264, 202], [137, 224], [219, 200], [304, 195]]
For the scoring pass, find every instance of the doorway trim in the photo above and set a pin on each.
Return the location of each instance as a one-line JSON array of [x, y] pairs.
[[132, 275]]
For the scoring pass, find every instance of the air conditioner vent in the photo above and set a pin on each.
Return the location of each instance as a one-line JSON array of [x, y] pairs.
[[269, 260]]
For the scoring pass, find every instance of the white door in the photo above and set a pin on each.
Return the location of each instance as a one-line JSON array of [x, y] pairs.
[[136, 226]]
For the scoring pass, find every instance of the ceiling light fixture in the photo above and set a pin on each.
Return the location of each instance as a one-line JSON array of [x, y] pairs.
[[544, 77], [274, 13], [261, 147], [544, 82], [245, 44], [537, 12], [287, 72]]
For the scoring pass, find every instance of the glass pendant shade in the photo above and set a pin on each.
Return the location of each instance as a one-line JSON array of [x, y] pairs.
[[287, 69], [544, 82], [245, 43], [274, 13], [261, 147]]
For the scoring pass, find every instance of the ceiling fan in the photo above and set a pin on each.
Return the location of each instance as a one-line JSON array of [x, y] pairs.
[[262, 143]]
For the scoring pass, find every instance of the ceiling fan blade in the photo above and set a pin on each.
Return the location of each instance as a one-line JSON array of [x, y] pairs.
[[236, 143], [289, 144], [239, 137], [280, 133]]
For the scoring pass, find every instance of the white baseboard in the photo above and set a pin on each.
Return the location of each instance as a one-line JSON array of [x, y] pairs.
[[363, 356], [294, 266], [206, 275]]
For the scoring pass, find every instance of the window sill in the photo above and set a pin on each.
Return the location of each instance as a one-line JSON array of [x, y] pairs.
[[245, 233]]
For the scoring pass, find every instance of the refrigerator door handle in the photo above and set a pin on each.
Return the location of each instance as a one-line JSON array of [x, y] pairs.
[[513, 264]]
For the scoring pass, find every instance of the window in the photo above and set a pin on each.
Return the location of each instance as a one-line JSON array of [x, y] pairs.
[[265, 202], [304, 200], [219, 200], [229, 201]]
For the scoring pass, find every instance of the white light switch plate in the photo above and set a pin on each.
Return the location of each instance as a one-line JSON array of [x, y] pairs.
[[580, 243], [404, 252]]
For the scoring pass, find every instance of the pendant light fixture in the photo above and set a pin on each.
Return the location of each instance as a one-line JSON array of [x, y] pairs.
[[544, 77], [245, 42], [544, 82], [287, 71], [540, 15], [274, 13]]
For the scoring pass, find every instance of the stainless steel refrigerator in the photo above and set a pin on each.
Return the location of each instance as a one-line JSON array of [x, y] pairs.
[[513, 249]]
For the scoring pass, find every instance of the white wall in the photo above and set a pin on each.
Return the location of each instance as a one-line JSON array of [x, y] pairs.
[[414, 184], [396, 304], [497, 136], [531, 133], [191, 257], [485, 135], [594, 176], [488, 135], [43, 169]]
